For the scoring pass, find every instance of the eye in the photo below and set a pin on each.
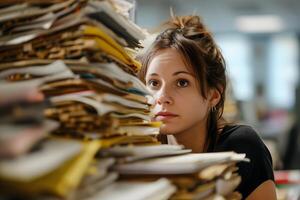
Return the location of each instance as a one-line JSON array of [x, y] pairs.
[[153, 84], [182, 83]]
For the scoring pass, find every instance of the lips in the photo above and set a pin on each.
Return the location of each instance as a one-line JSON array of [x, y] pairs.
[[163, 116]]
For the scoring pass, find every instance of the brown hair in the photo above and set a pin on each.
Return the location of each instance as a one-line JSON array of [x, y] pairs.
[[189, 36]]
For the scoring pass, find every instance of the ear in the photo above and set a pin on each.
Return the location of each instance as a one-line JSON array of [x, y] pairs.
[[214, 97]]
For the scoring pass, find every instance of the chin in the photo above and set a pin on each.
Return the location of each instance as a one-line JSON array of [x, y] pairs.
[[167, 130]]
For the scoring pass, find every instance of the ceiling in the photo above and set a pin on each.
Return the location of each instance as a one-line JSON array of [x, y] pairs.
[[219, 15]]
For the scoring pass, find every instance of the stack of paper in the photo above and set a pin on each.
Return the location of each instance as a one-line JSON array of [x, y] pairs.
[[161, 189], [97, 178], [22, 123], [132, 153], [197, 176], [78, 53], [27, 153]]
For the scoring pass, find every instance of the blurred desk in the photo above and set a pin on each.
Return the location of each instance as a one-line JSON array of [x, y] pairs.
[[288, 184]]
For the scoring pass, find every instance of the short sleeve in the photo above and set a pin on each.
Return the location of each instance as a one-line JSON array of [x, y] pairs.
[[245, 139]]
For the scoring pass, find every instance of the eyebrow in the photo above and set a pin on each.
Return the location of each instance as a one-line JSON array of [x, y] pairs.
[[182, 72], [174, 74]]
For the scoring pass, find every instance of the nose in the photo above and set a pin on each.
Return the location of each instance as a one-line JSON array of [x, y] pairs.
[[163, 97]]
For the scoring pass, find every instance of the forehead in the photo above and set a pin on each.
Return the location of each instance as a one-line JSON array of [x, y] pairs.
[[167, 61]]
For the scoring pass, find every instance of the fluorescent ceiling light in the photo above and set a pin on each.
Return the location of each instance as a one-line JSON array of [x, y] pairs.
[[259, 23]]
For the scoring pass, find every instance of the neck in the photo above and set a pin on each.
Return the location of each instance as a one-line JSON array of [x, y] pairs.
[[193, 138]]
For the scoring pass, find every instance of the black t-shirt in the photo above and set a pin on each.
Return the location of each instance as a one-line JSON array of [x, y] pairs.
[[244, 139]]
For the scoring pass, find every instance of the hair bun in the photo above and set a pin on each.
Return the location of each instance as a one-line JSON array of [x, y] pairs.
[[189, 25]]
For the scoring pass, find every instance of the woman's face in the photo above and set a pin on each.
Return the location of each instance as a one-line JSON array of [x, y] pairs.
[[178, 101]]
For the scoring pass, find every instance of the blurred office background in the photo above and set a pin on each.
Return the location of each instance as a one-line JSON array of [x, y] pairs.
[[261, 44]]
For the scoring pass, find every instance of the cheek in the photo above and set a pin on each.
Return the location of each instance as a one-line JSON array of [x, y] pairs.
[[193, 106]]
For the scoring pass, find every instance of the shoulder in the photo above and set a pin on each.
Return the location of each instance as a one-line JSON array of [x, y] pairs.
[[240, 137], [244, 139]]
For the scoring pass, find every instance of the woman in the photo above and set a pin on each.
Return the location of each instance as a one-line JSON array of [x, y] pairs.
[[185, 70]]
